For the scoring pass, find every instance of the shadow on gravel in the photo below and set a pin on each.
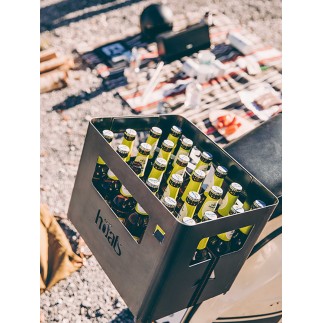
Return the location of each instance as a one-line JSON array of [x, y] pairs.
[[125, 316], [52, 16]]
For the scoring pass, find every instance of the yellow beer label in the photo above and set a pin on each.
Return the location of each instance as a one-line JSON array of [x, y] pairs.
[[226, 236], [203, 167], [207, 206], [192, 186], [136, 238], [183, 212], [202, 244], [170, 191], [100, 161], [153, 143], [125, 192], [155, 173], [130, 145], [112, 175], [174, 140], [246, 229], [140, 210]]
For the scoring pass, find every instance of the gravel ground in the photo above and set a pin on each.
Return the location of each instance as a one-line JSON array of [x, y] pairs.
[[88, 295]]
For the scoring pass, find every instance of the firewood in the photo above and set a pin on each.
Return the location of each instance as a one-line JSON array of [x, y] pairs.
[[55, 63], [53, 80], [47, 54]]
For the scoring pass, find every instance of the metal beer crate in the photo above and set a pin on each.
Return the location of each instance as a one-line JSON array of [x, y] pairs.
[[155, 277]]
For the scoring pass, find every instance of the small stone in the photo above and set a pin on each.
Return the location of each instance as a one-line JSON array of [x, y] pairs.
[[86, 304]]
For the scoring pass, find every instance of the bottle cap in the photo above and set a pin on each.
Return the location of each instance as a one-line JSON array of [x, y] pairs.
[[221, 171], [236, 209], [199, 174], [167, 145], [130, 134], [186, 143], [108, 134], [206, 157], [155, 132], [216, 192], [188, 221], [161, 162], [176, 179], [183, 160], [235, 188], [144, 148], [209, 215], [257, 204], [176, 131], [169, 202], [193, 196], [152, 183], [123, 150]]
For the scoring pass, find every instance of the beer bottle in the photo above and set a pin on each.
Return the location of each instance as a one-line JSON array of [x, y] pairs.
[[219, 173], [210, 203], [173, 186], [174, 135], [179, 168], [166, 150], [170, 203], [129, 137], [230, 199], [108, 135], [142, 156], [137, 221], [110, 183], [201, 252], [101, 168], [220, 244], [203, 164], [152, 140], [158, 169], [124, 203], [189, 206], [240, 235], [185, 148], [194, 184]]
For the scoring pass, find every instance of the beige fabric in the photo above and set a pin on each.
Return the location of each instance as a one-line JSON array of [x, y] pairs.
[[57, 259]]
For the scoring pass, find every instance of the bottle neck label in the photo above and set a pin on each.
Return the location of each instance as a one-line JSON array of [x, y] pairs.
[[155, 173], [164, 154], [112, 175], [140, 210], [143, 161], [174, 140], [153, 142], [181, 151], [217, 181], [202, 166], [246, 230], [100, 161], [227, 204], [130, 145], [226, 236], [186, 210], [208, 205], [170, 191], [192, 186], [202, 244], [125, 192]]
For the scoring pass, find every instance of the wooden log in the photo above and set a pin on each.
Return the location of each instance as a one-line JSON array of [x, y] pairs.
[[47, 54], [53, 80], [56, 63]]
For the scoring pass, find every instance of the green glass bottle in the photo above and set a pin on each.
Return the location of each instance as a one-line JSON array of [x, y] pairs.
[[174, 135], [166, 150], [142, 157], [152, 140], [230, 199], [185, 148], [210, 203], [129, 137], [173, 186], [189, 206], [219, 174], [158, 169]]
